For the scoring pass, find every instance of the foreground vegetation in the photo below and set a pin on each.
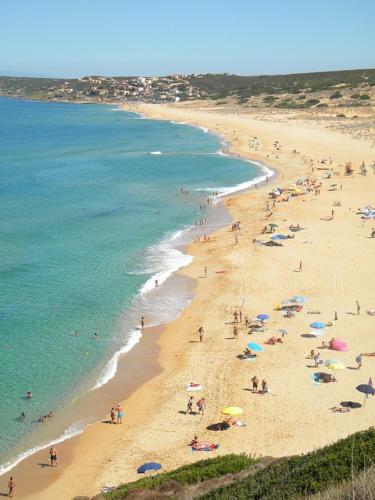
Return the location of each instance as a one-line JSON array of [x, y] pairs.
[[186, 475], [338, 469]]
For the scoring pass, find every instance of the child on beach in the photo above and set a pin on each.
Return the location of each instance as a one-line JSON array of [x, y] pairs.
[[201, 406]]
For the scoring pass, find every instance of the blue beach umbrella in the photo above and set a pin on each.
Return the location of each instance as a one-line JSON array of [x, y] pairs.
[[148, 466], [255, 347], [298, 299], [279, 237], [366, 389], [262, 317], [318, 325]]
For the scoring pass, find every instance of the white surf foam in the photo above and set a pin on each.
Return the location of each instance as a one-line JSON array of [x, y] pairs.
[[71, 431], [163, 260], [155, 153], [109, 370]]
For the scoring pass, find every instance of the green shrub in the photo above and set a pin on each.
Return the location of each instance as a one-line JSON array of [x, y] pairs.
[[355, 96], [291, 478], [188, 474], [336, 95], [311, 102], [364, 97], [322, 105], [270, 99]]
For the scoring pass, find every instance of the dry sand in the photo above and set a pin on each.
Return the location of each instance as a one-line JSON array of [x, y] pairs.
[[338, 269]]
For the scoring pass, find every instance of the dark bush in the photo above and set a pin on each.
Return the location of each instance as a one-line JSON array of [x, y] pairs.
[[336, 95]]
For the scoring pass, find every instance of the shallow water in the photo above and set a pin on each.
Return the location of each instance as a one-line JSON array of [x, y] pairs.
[[88, 220]]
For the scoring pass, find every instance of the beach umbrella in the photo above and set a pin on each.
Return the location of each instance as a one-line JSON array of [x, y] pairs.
[[273, 225], [282, 331], [255, 347], [298, 299], [263, 317], [318, 324], [148, 466], [279, 237], [232, 411], [366, 389], [333, 364]]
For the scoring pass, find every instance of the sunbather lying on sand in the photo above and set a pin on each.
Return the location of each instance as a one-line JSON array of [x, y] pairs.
[[340, 409], [274, 340], [205, 446]]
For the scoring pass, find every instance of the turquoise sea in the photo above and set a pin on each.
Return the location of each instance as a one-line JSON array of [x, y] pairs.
[[91, 214]]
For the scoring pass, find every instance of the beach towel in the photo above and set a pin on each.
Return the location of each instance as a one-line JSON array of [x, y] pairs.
[[194, 387]]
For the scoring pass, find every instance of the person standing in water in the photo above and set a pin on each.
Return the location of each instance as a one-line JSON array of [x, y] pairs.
[[156, 284], [142, 322]]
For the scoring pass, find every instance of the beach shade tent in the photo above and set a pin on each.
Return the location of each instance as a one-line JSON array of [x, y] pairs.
[[279, 237], [339, 345], [318, 325], [333, 364], [273, 225], [366, 389], [232, 411], [263, 317], [148, 467], [255, 347]]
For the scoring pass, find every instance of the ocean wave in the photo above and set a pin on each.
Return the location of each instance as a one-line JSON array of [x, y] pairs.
[[155, 153], [110, 369], [162, 260], [225, 191], [72, 431]]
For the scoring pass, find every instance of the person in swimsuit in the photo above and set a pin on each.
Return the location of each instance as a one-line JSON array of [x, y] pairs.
[[255, 382], [11, 487], [142, 322], [113, 416], [53, 457], [120, 413], [189, 408]]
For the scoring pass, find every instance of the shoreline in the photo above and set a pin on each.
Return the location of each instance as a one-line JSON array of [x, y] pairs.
[[70, 435], [171, 357]]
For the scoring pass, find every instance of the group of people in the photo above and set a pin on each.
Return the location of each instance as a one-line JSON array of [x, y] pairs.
[[201, 404], [117, 414], [255, 385]]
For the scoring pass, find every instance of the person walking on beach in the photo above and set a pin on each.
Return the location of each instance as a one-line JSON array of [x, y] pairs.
[[205, 271], [264, 386], [255, 383], [240, 315], [300, 266], [53, 457], [142, 322], [235, 332], [120, 413], [358, 360], [201, 406], [201, 333], [235, 316], [336, 317], [189, 408], [11, 487], [156, 284], [358, 308]]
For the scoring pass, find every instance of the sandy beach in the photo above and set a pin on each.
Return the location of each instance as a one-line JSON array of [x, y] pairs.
[[336, 252]]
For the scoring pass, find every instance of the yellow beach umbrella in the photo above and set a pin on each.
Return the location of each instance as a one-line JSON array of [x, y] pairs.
[[232, 411], [335, 365]]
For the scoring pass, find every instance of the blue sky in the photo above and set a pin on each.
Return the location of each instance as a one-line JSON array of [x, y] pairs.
[[149, 37]]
